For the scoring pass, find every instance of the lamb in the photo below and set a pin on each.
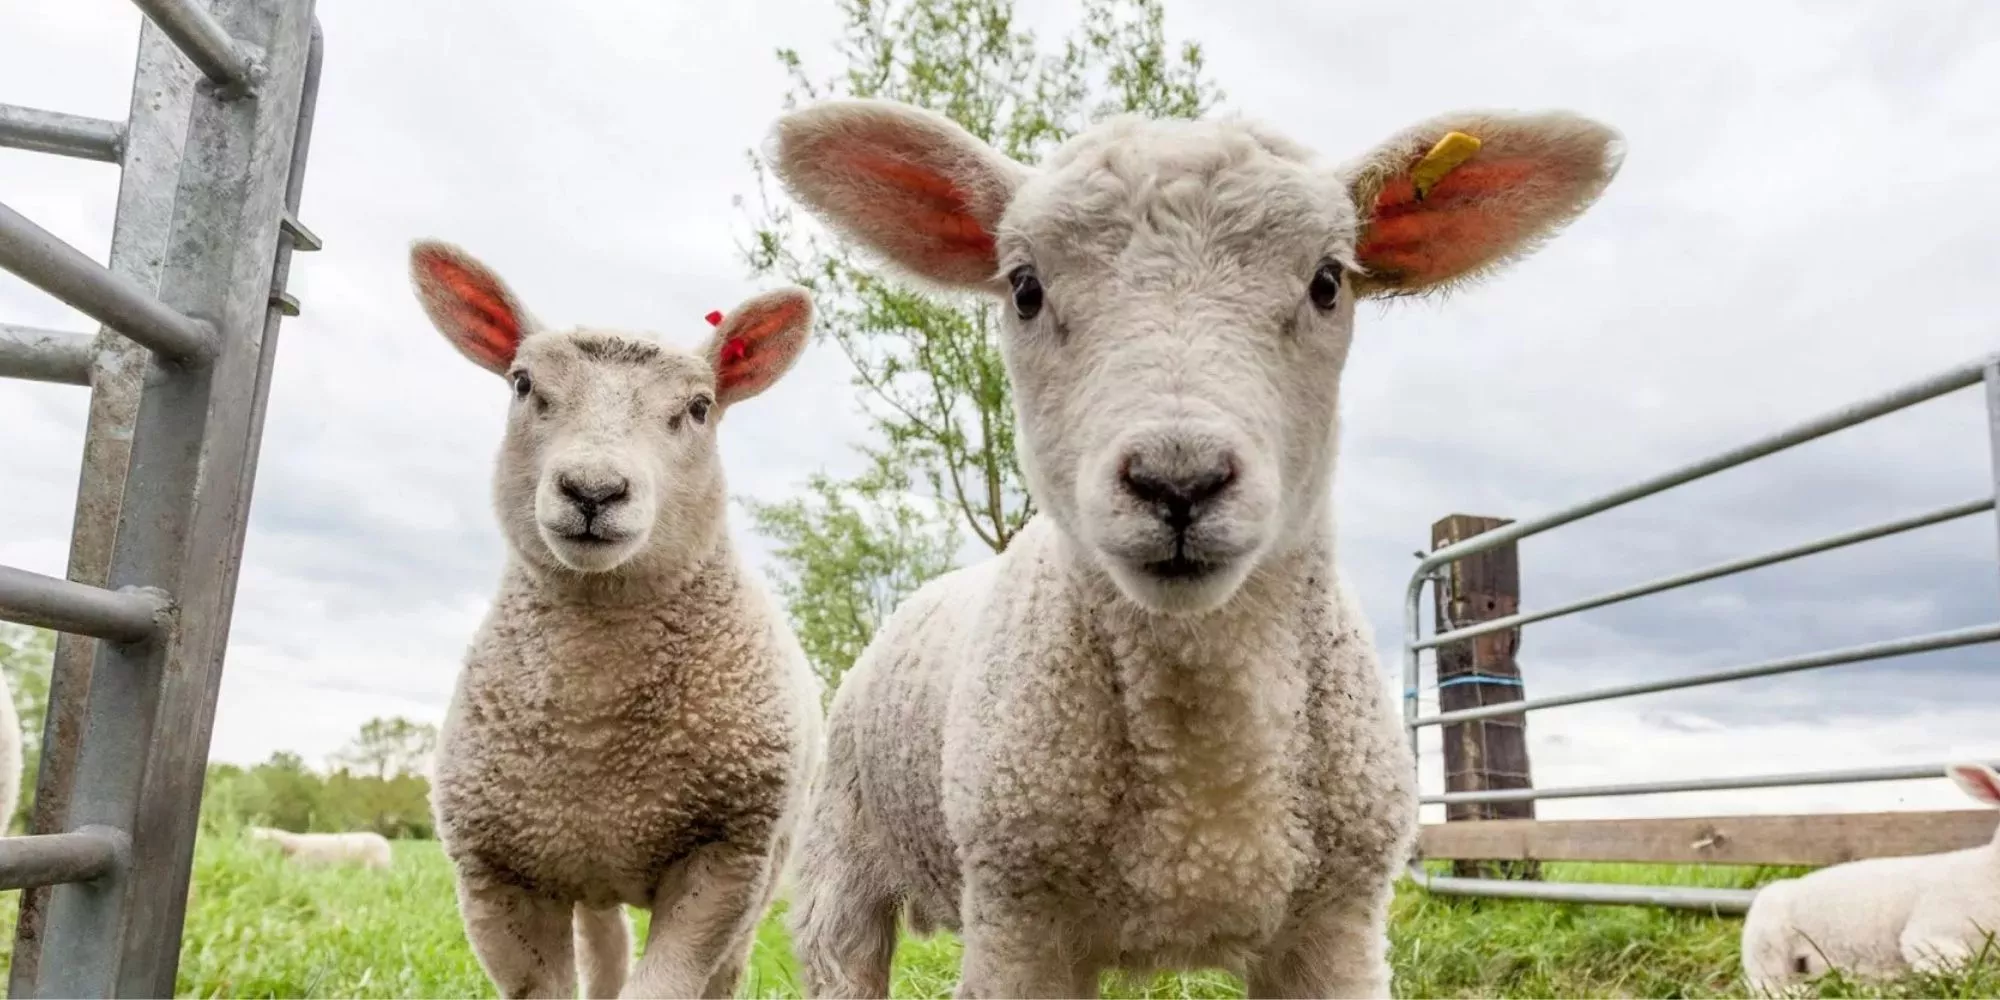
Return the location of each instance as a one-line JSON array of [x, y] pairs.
[[365, 848], [10, 758], [1153, 732], [635, 724], [1880, 917]]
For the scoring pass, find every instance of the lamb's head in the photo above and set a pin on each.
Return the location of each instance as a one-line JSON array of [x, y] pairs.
[[609, 460], [1179, 297]]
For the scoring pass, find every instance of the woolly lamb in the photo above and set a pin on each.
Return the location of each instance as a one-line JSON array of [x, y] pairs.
[[10, 757], [370, 850], [1152, 733], [1881, 917], [635, 724]]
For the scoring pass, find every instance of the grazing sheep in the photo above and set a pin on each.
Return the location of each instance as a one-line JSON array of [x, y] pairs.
[[1153, 732], [1881, 917], [635, 724], [368, 849]]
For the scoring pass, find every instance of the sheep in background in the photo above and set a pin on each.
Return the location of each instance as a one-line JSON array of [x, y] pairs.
[[635, 723], [367, 849], [1880, 917], [1153, 732]]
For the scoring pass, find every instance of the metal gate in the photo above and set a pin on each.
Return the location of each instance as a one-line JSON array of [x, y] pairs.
[[1984, 372], [212, 157]]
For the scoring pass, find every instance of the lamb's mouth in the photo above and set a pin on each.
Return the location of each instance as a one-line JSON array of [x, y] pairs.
[[590, 538], [1180, 567]]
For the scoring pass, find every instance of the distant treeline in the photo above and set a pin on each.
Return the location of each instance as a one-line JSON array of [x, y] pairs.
[[284, 793]]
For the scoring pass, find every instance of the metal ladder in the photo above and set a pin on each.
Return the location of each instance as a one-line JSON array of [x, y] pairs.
[[213, 158]]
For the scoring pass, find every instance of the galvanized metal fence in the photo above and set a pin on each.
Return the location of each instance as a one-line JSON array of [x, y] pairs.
[[1984, 372], [213, 160]]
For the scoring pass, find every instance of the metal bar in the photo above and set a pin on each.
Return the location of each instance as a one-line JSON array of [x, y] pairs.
[[146, 728], [1905, 772], [1829, 658], [45, 355], [163, 87], [48, 602], [39, 131], [1716, 901], [56, 858], [205, 42], [1847, 416], [100, 293], [1827, 544]]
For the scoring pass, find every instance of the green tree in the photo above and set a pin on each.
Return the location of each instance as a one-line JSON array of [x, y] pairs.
[[853, 549], [928, 368], [388, 747]]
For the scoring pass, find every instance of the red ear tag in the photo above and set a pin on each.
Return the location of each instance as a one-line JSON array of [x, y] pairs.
[[734, 351], [714, 319]]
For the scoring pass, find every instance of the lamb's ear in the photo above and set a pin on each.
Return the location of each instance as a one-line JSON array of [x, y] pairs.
[[758, 342], [469, 304], [908, 184], [1978, 781], [1460, 195]]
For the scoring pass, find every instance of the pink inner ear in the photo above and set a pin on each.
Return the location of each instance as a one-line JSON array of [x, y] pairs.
[[943, 214], [1455, 228], [483, 324], [751, 357], [1979, 781]]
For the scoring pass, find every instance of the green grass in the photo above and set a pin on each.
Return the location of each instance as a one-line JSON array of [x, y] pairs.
[[260, 927]]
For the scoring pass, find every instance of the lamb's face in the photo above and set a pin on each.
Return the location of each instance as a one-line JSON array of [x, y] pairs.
[[1182, 296], [610, 451], [610, 455], [1178, 317]]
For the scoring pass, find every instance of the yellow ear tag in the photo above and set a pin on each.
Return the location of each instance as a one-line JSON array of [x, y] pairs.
[[1455, 148]]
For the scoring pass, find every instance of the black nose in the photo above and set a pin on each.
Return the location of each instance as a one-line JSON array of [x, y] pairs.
[[592, 496], [1177, 494]]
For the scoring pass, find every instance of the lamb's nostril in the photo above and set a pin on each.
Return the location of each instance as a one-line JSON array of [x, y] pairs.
[[591, 495], [1176, 494]]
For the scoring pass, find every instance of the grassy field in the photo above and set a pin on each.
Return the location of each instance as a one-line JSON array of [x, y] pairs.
[[257, 927]]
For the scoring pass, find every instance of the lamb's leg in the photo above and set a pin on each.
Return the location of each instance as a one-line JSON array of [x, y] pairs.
[[1337, 948], [1020, 946], [843, 921], [603, 949], [522, 940], [698, 915]]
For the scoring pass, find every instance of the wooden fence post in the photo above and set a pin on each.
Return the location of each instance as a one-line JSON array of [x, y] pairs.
[[1484, 754]]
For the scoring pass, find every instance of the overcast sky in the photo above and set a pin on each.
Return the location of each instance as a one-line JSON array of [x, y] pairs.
[[1806, 216]]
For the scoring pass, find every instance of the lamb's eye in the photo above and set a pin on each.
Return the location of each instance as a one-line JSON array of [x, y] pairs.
[[523, 385], [1325, 287], [698, 408], [1027, 291]]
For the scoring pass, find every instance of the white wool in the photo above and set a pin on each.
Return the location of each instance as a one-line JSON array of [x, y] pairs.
[[10, 757], [635, 724], [365, 848], [1880, 917], [1153, 732]]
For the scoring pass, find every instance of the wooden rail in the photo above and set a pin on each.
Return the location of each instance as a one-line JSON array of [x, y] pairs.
[[1714, 840]]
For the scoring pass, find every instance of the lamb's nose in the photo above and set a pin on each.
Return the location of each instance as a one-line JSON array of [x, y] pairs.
[[1179, 493], [593, 495]]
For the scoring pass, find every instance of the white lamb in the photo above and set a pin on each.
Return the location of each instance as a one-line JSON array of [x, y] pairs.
[[635, 724], [10, 757], [1152, 733], [365, 848], [1881, 917]]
